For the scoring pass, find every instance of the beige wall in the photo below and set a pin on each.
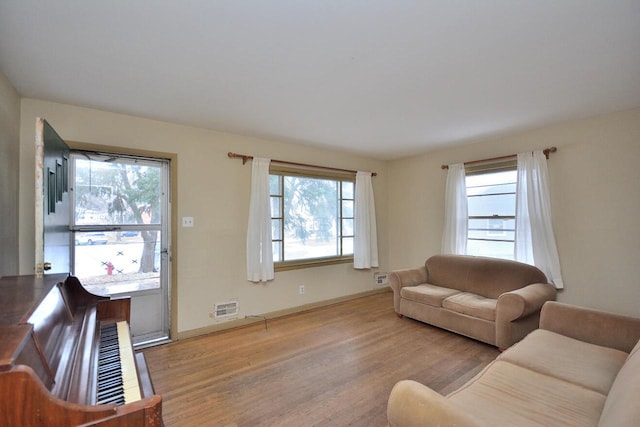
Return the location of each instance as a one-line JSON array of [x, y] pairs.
[[595, 189], [595, 192], [215, 191], [9, 157]]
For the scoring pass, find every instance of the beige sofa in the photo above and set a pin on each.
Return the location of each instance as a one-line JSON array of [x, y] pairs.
[[581, 368], [492, 300]]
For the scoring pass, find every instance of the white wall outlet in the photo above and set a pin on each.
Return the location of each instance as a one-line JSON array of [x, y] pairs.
[[301, 289], [187, 221]]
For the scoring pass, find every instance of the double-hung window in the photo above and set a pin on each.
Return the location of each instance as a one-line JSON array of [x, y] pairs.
[[312, 215], [491, 198]]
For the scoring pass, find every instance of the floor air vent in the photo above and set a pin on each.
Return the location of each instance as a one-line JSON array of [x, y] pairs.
[[226, 309]]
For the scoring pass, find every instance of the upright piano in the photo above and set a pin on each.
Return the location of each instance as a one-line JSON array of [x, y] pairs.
[[66, 358]]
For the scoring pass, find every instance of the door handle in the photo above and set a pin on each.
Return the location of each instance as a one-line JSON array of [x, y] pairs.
[[46, 266]]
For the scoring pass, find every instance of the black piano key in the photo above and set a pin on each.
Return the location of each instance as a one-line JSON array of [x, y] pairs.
[[106, 385], [109, 391], [108, 352], [115, 375], [109, 387], [118, 400], [116, 391], [106, 376], [110, 359], [107, 356], [109, 366], [106, 346]]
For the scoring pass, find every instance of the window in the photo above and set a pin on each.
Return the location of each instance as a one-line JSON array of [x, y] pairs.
[[491, 197], [311, 217]]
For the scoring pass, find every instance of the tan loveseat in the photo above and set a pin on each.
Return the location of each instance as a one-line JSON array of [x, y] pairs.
[[492, 300], [581, 368]]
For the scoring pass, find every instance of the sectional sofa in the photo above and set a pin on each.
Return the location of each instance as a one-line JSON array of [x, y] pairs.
[[581, 368]]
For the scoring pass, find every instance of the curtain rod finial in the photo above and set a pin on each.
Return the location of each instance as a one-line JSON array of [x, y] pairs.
[[244, 158], [548, 151], [444, 167]]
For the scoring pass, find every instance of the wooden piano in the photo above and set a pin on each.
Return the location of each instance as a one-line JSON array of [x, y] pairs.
[[66, 358]]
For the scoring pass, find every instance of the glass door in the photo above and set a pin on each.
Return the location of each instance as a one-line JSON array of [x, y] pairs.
[[120, 226]]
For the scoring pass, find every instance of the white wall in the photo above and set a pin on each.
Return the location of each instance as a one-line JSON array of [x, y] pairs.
[[9, 157], [595, 191], [215, 191]]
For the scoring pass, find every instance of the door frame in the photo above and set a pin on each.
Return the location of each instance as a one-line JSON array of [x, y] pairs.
[[173, 213]]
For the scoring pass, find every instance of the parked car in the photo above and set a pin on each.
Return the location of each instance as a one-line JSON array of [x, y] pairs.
[[91, 239], [129, 233]]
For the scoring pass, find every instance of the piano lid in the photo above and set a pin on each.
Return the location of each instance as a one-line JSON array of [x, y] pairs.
[[21, 295]]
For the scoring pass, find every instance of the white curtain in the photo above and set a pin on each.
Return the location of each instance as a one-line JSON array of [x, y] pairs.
[[259, 249], [456, 219], [365, 247], [535, 242]]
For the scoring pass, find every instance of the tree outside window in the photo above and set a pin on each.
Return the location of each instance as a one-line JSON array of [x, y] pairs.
[[312, 217]]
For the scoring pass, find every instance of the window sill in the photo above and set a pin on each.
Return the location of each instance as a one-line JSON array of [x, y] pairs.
[[308, 263]]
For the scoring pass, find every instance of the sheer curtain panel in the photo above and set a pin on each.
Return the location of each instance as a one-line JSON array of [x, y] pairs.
[[259, 247], [535, 242], [456, 217], [365, 249]]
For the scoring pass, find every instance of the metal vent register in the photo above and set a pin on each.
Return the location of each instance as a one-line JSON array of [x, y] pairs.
[[226, 309]]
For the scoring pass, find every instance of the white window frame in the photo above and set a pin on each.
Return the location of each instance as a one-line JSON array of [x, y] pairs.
[[496, 236]]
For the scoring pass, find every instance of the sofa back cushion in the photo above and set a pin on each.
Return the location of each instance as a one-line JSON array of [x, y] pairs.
[[621, 407], [488, 277]]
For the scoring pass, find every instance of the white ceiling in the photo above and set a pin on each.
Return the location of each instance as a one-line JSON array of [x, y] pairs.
[[382, 78]]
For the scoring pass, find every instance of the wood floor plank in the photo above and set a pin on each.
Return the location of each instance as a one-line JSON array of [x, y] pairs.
[[331, 366]]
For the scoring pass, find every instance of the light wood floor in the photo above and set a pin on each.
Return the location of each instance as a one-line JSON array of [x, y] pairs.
[[332, 366]]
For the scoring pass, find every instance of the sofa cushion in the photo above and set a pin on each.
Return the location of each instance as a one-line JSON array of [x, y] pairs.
[[621, 407], [488, 277], [568, 359], [472, 305], [505, 394], [448, 270], [427, 294]]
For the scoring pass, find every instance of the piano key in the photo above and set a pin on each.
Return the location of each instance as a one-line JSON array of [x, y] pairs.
[[106, 385], [117, 373], [110, 367], [110, 393], [117, 400], [129, 371]]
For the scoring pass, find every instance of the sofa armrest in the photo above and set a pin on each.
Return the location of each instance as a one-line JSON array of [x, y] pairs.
[[592, 326], [409, 277], [413, 404], [522, 302], [400, 278]]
